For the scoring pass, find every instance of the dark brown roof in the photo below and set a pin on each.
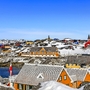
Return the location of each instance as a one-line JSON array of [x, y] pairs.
[[35, 49], [49, 49], [84, 59], [52, 49]]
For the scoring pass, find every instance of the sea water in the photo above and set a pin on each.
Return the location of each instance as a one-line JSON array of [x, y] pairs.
[[4, 71]]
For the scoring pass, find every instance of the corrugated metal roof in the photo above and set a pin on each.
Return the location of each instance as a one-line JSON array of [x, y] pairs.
[[52, 49], [79, 74], [32, 74]]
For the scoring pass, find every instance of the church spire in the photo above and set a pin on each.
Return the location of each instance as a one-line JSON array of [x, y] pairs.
[[88, 37], [48, 37]]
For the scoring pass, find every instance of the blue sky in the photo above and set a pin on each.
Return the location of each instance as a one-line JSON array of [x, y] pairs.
[[36, 19]]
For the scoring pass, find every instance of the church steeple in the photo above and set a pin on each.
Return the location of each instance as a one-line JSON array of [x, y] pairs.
[[48, 39], [88, 37]]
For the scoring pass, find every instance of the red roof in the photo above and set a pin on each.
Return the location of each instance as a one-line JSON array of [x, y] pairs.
[[87, 43]]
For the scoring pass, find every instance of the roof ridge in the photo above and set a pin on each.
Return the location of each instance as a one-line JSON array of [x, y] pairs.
[[44, 65], [76, 68]]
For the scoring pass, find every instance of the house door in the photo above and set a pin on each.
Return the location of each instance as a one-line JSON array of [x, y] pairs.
[[74, 85]]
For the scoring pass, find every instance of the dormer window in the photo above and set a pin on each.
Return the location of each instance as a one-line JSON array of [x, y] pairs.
[[40, 76], [60, 78], [42, 50]]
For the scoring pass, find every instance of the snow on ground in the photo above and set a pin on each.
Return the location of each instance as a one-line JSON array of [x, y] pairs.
[[65, 52], [4, 87], [26, 49], [78, 50], [53, 85]]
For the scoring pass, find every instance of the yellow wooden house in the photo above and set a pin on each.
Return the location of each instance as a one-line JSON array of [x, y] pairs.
[[29, 42], [42, 52]]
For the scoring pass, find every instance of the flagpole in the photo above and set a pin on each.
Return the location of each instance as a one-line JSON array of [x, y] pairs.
[[10, 72]]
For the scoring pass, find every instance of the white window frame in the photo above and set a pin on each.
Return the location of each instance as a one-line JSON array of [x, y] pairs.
[[65, 77], [60, 78]]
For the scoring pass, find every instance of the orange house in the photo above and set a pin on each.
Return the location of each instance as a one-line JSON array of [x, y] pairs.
[[64, 78], [87, 77], [6, 48], [31, 75], [74, 77]]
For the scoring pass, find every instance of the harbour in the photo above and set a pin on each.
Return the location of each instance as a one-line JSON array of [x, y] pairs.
[[4, 71]]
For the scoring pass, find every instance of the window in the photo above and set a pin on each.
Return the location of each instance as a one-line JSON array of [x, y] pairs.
[[20, 87], [42, 51], [38, 53], [12, 84], [60, 78], [28, 87], [65, 77], [31, 53], [40, 76]]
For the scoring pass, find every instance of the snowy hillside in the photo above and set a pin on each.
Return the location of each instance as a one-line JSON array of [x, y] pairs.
[[78, 50], [71, 49]]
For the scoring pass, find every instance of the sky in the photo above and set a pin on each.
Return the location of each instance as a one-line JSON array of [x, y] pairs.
[[36, 19]]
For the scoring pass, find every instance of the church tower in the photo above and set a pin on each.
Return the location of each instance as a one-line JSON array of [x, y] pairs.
[[48, 39], [88, 37]]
